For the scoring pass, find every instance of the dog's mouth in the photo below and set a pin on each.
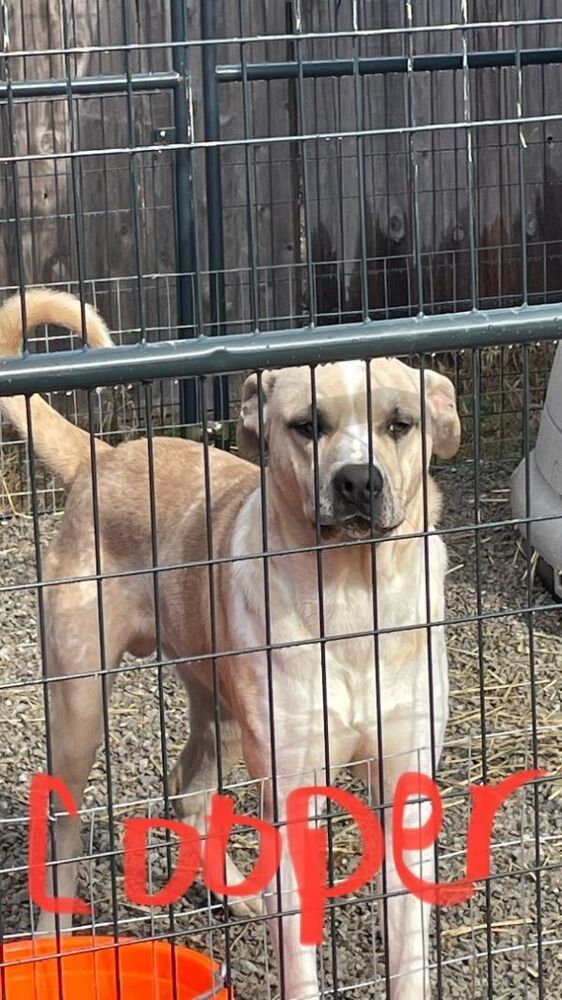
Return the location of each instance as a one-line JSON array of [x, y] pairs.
[[357, 526]]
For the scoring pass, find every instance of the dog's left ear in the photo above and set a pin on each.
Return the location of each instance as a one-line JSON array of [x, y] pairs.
[[248, 430], [441, 402]]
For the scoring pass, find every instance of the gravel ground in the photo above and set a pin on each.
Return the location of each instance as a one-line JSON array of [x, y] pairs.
[[505, 664]]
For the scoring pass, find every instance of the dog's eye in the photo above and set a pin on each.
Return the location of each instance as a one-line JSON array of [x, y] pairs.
[[399, 428], [306, 429]]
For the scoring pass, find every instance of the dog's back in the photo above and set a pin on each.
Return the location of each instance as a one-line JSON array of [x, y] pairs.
[[120, 530]]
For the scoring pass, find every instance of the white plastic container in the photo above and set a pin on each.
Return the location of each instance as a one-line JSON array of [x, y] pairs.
[[545, 484]]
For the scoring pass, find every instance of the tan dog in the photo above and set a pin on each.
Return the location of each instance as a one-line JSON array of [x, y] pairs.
[[348, 491]]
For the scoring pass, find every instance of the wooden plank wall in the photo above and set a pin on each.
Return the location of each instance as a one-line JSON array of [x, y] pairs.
[[441, 158], [290, 233], [45, 188]]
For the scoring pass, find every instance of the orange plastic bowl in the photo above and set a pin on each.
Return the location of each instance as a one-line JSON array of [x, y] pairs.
[[89, 968]]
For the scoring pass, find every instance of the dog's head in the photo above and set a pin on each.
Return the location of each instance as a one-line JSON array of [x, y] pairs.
[[351, 490]]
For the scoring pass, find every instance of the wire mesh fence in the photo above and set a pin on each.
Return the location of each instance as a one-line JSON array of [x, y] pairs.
[[305, 189]]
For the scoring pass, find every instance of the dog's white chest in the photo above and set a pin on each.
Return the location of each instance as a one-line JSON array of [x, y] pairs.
[[339, 646]]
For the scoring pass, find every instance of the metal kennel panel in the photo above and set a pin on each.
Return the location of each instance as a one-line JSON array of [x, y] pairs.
[[504, 653], [248, 186]]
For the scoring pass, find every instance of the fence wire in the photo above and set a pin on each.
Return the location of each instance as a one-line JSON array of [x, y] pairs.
[[343, 176]]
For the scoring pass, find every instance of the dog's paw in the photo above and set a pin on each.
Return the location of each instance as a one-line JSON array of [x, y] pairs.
[[247, 908], [47, 925]]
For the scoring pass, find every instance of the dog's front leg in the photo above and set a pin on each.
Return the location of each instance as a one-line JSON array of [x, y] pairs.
[[296, 963], [405, 919]]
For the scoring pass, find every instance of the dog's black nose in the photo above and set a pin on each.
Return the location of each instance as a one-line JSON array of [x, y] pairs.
[[352, 485]]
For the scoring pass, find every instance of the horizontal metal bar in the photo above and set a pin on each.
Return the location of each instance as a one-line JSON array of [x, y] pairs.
[[314, 69], [356, 543], [88, 368], [303, 36], [267, 140], [90, 85], [298, 644]]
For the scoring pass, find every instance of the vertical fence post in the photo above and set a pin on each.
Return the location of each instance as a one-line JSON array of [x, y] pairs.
[[213, 179], [185, 220]]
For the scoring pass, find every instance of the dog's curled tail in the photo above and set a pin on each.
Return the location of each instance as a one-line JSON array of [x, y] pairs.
[[63, 447]]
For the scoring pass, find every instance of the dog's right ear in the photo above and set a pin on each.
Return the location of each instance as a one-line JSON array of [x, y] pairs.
[[248, 430]]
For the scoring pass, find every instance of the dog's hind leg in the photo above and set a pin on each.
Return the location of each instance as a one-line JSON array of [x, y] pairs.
[[76, 718], [195, 777]]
